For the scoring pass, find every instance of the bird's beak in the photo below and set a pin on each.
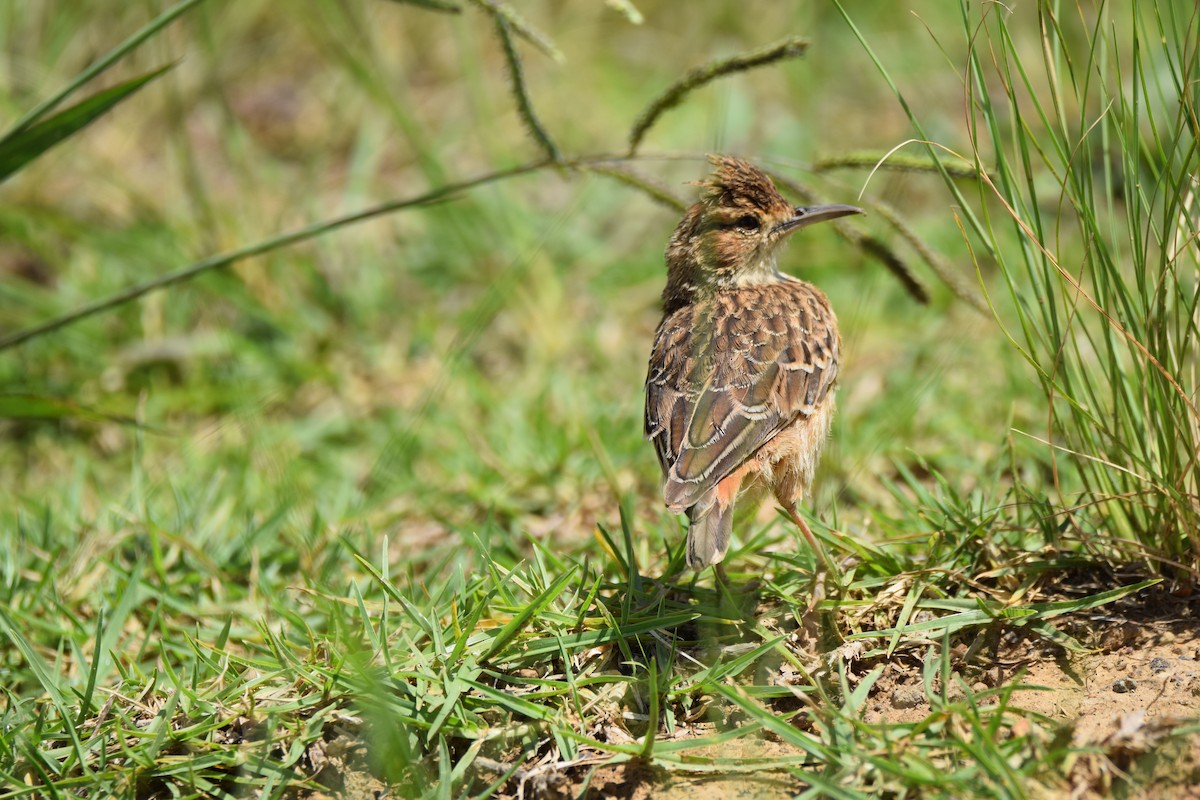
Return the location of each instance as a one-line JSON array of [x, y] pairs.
[[803, 216]]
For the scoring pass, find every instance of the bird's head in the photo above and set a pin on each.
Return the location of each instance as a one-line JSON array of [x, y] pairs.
[[730, 238]]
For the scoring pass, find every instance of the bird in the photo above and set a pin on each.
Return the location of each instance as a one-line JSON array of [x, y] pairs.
[[740, 386]]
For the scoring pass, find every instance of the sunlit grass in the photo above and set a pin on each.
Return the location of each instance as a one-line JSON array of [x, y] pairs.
[[376, 509], [1087, 212]]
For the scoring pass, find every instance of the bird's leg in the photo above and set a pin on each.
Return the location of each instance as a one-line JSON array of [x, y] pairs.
[[821, 626], [823, 565]]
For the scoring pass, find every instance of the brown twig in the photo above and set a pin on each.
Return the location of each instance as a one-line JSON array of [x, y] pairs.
[[791, 47], [516, 72], [600, 163]]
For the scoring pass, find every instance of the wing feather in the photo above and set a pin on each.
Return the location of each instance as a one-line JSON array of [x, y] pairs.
[[727, 374]]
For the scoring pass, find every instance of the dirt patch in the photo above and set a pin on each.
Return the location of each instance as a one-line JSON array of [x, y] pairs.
[[340, 764], [1156, 677], [721, 787], [1151, 669], [1119, 703], [593, 777], [636, 781]]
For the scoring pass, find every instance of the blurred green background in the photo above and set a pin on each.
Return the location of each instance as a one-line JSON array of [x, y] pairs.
[[476, 361]]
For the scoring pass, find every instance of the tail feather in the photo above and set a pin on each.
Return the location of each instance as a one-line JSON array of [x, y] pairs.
[[708, 534]]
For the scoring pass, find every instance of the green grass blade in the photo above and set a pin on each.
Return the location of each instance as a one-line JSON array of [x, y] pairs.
[[139, 37], [518, 623], [23, 145]]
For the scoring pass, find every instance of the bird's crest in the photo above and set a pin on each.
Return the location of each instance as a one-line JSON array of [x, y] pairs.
[[735, 183]]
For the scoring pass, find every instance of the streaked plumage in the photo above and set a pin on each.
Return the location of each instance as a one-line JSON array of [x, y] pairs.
[[741, 377]]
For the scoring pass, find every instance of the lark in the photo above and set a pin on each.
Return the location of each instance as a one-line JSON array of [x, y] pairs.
[[740, 388]]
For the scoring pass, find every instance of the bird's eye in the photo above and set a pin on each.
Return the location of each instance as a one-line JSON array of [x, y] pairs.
[[748, 222]]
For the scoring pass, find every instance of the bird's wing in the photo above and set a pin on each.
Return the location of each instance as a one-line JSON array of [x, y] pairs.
[[728, 374]]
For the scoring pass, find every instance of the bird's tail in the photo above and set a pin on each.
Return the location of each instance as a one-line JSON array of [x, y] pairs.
[[708, 533]]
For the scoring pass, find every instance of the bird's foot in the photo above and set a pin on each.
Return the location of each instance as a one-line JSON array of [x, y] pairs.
[[818, 625]]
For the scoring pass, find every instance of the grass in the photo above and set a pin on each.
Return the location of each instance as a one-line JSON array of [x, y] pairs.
[[373, 511], [1110, 264]]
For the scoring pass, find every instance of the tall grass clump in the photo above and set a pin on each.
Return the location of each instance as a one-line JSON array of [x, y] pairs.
[[1084, 137]]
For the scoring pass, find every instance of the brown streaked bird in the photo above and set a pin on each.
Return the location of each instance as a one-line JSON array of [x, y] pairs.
[[739, 392]]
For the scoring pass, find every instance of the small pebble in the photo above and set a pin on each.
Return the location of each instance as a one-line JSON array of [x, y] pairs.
[[1123, 685], [1158, 664], [908, 697], [979, 686]]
